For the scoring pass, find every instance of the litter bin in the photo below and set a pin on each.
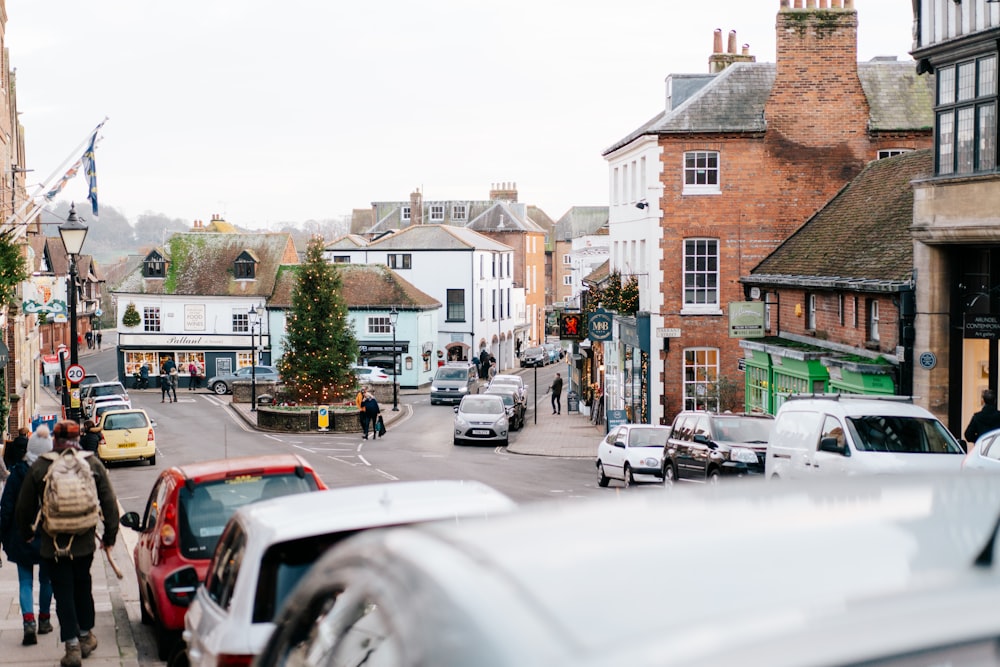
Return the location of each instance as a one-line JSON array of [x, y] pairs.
[[572, 402]]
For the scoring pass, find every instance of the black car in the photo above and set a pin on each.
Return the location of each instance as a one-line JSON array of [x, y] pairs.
[[706, 446], [516, 407], [534, 356]]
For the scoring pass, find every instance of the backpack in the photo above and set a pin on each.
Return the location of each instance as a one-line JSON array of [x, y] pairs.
[[70, 505]]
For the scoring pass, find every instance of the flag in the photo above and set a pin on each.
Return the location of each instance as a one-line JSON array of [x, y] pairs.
[[57, 188], [90, 167]]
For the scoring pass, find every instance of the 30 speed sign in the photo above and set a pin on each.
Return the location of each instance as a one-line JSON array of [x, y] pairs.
[[75, 373]]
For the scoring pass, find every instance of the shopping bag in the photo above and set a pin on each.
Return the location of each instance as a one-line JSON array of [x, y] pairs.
[[379, 426]]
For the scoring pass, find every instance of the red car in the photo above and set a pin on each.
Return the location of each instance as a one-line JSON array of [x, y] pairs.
[[184, 517]]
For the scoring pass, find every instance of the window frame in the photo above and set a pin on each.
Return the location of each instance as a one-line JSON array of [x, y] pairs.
[[241, 321], [454, 305], [437, 213], [378, 325], [459, 212], [693, 305], [811, 307], [152, 322], [873, 318], [962, 145], [395, 259], [701, 375], [702, 165]]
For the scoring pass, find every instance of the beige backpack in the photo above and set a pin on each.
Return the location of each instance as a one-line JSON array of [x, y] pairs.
[[70, 504]]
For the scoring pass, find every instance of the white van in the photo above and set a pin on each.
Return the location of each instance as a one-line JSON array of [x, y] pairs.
[[846, 434]]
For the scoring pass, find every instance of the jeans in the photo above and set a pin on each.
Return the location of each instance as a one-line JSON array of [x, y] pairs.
[[72, 588], [365, 422], [556, 403], [26, 581]]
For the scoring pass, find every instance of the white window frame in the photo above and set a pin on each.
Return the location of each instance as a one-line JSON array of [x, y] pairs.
[[241, 320], [694, 306], [568, 279], [892, 152], [873, 320], [378, 324], [151, 320], [702, 172], [703, 364], [811, 312], [437, 212], [567, 260], [404, 214], [459, 212]]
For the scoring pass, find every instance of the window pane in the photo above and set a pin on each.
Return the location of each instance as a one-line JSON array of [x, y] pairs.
[[987, 137], [988, 76], [946, 135], [946, 85], [966, 81], [966, 136]]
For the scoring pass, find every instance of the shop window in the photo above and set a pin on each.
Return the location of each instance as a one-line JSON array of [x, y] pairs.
[[701, 370], [244, 360], [135, 360]]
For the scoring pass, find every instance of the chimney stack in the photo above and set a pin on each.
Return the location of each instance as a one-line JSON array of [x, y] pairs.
[[416, 208], [719, 61], [506, 192]]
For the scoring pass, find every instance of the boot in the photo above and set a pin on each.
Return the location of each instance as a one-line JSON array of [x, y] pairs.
[[30, 637], [73, 657], [44, 625], [88, 644]]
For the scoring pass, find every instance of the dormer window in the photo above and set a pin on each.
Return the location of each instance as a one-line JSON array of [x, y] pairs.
[[154, 266], [245, 266]]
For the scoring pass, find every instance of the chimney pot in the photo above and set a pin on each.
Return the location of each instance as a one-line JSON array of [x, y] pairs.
[[785, 4], [717, 41], [822, 4], [798, 4], [746, 49], [732, 42], [810, 4]]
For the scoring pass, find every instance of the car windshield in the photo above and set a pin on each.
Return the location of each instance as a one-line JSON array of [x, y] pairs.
[[648, 437], [123, 420], [107, 390], [482, 406], [751, 430], [533, 351], [452, 374], [508, 380], [204, 509], [908, 435], [508, 398]]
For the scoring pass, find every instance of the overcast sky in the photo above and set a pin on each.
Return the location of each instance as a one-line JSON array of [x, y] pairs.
[[267, 112]]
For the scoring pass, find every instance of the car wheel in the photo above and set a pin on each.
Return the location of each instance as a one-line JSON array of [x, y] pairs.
[[669, 472], [220, 388], [713, 476], [456, 442], [179, 657], [506, 442], [165, 641], [144, 615], [152, 460], [627, 478], [602, 479], [433, 402]]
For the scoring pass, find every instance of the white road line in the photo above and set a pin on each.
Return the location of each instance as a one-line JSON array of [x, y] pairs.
[[364, 460], [272, 437], [391, 478]]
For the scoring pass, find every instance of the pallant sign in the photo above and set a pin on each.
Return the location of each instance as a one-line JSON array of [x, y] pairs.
[[171, 340]]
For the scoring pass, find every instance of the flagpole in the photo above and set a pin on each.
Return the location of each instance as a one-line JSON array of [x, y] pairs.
[[22, 229]]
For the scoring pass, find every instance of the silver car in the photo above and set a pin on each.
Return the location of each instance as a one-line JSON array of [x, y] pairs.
[[984, 454], [223, 384], [481, 418]]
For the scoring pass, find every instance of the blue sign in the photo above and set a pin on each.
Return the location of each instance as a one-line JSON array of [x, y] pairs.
[[928, 360], [616, 418], [599, 325]]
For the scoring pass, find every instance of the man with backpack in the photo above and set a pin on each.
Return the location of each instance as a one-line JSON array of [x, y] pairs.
[[67, 493]]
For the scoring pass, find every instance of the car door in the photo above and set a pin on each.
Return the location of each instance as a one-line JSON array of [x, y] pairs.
[[689, 452], [613, 455], [147, 546], [211, 608], [828, 464]]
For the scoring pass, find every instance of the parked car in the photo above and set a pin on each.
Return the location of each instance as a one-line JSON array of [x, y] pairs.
[[510, 380], [848, 434], [481, 418], [984, 454], [185, 513], [223, 384], [630, 450], [854, 571], [534, 357], [555, 352], [512, 400], [89, 378], [706, 446], [452, 382], [103, 406], [126, 435], [267, 547], [371, 375], [91, 393]]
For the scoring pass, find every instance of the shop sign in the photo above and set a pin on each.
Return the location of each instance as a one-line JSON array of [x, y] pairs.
[[746, 319], [982, 326], [599, 325]]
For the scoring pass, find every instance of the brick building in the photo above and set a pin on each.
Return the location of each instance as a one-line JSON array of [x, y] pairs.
[[737, 161]]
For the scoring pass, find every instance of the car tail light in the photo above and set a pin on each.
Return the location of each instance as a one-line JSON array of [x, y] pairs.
[[149, 437], [168, 536], [102, 441], [233, 660], [181, 586]]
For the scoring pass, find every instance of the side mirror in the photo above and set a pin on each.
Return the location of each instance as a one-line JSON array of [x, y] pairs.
[[833, 445], [131, 520], [455, 409], [620, 443], [702, 439]]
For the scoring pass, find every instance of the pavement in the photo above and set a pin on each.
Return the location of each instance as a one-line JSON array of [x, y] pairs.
[[117, 600]]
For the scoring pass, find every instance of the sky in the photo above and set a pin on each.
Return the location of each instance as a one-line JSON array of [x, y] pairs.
[[274, 112]]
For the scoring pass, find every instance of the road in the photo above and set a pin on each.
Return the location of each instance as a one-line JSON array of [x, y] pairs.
[[200, 426]]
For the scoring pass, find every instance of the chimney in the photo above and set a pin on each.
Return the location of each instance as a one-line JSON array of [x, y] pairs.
[[503, 192], [817, 99], [719, 61], [416, 208]]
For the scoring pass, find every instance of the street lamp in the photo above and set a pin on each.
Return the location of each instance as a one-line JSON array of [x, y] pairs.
[[393, 316], [73, 232], [254, 316]]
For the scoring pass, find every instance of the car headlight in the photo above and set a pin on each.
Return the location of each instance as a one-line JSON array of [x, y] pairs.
[[650, 462], [742, 455], [460, 422], [435, 388], [502, 422]]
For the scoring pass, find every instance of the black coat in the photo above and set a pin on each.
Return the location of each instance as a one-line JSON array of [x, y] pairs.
[[89, 441], [983, 421], [17, 549]]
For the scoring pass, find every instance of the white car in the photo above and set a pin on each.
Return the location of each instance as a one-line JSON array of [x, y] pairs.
[[102, 391], [510, 379], [268, 546], [371, 375], [630, 450], [984, 454]]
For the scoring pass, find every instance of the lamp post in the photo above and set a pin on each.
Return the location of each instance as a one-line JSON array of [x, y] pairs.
[[254, 316], [393, 316], [72, 232]]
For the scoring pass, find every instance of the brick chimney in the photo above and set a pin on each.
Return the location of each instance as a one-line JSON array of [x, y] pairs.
[[817, 99], [719, 61], [416, 208], [503, 192]]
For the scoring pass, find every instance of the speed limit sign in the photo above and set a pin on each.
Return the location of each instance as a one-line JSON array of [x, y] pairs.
[[75, 373]]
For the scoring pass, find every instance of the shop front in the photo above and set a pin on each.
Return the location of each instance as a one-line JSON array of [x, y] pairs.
[[627, 368], [214, 354]]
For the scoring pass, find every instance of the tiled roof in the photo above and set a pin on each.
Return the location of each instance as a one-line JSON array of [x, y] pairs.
[[201, 263], [364, 286], [581, 221], [600, 273], [835, 246], [347, 242], [501, 217], [734, 101], [437, 237], [59, 260]]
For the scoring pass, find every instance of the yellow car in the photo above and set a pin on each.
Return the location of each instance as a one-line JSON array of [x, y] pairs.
[[126, 435]]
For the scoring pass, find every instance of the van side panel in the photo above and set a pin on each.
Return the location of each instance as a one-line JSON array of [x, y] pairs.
[[792, 444]]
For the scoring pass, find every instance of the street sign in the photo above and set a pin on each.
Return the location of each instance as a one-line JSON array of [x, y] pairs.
[[668, 332], [75, 373], [4, 355], [323, 418]]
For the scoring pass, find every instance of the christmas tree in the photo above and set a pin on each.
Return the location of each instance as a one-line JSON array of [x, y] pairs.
[[320, 346]]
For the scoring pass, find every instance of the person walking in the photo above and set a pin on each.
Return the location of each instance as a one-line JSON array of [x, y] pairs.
[[39, 443], [556, 388], [193, 373], [90, 340], [484, 364], [71, 581], [144, 376], [985, 420], [98, 338], [91, 437], [164, 383], [369, 413], [25, 555]]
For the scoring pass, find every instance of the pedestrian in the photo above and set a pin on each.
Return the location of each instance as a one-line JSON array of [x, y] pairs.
[[492, 369], [25, 555], [517, 348], [90, 340], [39, 443], [556, 389], [174, 381], [91, 437], [99, 339], [484, 364], [165, 382], [79, 339], [144, 376], [70, 571], [369, 413], [985, 420], [193, 372]]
